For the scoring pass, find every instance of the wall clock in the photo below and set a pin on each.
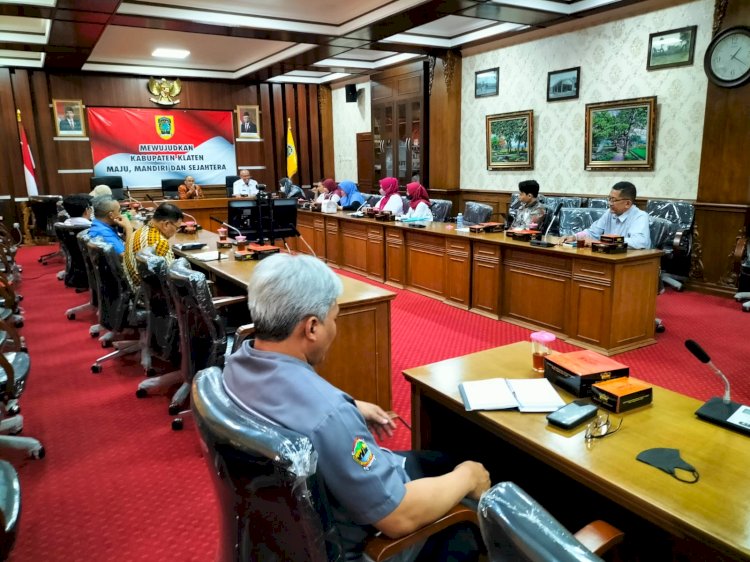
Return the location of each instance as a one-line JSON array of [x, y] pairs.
[[727, 60]]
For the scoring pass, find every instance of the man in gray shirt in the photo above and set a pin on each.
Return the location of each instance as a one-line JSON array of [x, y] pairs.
[[292, 301], [624, 219]]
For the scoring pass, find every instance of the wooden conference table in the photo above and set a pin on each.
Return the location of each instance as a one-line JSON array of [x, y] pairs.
[[359, 362], [598, 301], [713, 512]]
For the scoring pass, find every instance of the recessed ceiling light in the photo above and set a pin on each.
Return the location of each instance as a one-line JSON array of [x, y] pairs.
[[170, 53]]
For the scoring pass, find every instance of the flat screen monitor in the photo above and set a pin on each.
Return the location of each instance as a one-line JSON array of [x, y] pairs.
[[277, 219], [243, 215], [284, 218]]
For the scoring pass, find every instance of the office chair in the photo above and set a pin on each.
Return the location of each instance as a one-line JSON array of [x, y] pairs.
[[10, 507], [114, 183], [676, 258], [373, 200], [662, 232], [45, 209], [75, 269], [441, 209], [743, 282], [475, 212], [203, 338], [14, 373], [169, 188], [117, 308], [162, 335], [515, 527], [273, 505], [83, 239], [576, 219], [597, 203], [229, 181]]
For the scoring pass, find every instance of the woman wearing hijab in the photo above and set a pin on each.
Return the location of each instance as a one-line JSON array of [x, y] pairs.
[[329, 191], [419, 202], [289, 190], [352, 199], [391, 200]]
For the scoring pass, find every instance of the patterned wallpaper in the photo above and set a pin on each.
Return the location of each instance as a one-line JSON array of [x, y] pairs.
[[612, 58], [348, 120]]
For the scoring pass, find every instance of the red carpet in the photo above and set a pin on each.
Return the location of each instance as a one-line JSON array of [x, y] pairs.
[[118, 484]]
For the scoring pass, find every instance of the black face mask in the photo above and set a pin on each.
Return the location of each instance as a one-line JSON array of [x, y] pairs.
[[669, 461]]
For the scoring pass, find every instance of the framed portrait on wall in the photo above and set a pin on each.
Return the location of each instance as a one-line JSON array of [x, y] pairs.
[[510, 141], [620, 134], [668, 49], [248, 121], [68, 117]]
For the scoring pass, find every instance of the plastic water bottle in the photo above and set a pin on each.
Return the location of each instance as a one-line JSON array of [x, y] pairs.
[[460, 220]]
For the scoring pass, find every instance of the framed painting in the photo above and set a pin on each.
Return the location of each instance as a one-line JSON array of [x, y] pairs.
[[486, 83], [668, 49], [510, 141], [68, 117], [563, 84], [620, 134], [248, 121]]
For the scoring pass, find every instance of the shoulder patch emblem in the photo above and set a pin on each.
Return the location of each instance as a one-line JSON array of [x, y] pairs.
[[362, 454]]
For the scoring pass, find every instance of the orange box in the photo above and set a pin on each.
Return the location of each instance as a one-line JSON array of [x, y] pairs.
[[578, 370], [621, 395]]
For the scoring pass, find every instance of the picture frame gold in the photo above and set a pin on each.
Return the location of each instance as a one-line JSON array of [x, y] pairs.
[[248, 121], [510, 141], [620, 134], [69, 118]]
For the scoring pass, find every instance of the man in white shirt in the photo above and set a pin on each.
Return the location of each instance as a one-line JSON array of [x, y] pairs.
[[245, 186], [79, 210]]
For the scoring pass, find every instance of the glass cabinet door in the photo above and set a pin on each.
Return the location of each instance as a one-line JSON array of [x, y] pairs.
[[397, 139]]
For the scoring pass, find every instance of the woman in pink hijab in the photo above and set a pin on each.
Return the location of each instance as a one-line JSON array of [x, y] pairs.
[[419, 202], [391, 200], [329, 190]]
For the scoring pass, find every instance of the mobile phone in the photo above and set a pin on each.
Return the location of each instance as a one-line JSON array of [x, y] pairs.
[[573, 414], [416, 225]]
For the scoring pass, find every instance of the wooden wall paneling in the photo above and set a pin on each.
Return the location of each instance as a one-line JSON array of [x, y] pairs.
[[266, 119], [445, 123], [201, 94], [12, 181], [45, 130], [315, 142], [290, 108], [326, 132], [20, 86], [365, 162], [301, 136], [279, 125]]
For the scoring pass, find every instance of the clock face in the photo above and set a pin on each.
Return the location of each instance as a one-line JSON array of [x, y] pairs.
[[729, 58]]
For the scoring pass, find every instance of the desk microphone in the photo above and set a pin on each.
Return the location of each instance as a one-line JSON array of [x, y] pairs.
[[358, 212], [721, 411], [222, 223], [544, 243]]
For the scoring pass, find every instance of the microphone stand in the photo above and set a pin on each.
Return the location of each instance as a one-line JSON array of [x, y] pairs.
[[544, 243], [298, 234]]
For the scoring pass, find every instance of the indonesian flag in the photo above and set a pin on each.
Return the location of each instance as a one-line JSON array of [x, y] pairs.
[[28, 165], [291, 152]]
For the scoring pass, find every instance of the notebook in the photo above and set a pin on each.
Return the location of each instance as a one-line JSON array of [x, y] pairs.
[[528, 395]]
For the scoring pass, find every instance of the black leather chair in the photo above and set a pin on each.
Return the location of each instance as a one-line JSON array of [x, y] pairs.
[[14, 373], [118, 311], [676, 259], [75, 268], [170, 188], [475, 212], [662, 232], [373, 200], [83, 240], [576, 219], [203, 337], [10, 507], [743, 280], [229, 181], [597, 203], [162, 332], [273, 505], [114, 183], [515, 527], [441, 209], [45, 209]]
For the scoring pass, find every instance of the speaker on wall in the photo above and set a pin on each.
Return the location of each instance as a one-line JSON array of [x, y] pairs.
[[351, 93]]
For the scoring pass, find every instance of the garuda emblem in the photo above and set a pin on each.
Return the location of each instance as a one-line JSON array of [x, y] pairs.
[[165, 91]]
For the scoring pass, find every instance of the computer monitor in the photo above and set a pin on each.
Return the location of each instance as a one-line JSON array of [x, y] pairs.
[[243, 215], [284, 218], [269, 221]]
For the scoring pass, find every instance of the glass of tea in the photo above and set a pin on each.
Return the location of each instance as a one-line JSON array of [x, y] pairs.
[[540, 342]]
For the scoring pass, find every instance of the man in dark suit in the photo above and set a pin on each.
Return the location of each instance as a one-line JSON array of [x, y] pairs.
[[70, 123], [247, 125]]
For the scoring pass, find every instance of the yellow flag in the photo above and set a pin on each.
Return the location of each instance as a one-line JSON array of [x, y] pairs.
[[291, 152]]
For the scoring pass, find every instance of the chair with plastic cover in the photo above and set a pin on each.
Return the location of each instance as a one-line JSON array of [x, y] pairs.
[[373, 200], [662, 233], [597, 203], [75, 269], [115, 183], [675, 262], [743, 279], [117, 307], [475, 212], [10, 507], [83, 239], [162, 335], [441, 209], [14, 374], [515, 527], [229, 182], [576, 219], [170, 188], [204, 339], [273, 504]]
